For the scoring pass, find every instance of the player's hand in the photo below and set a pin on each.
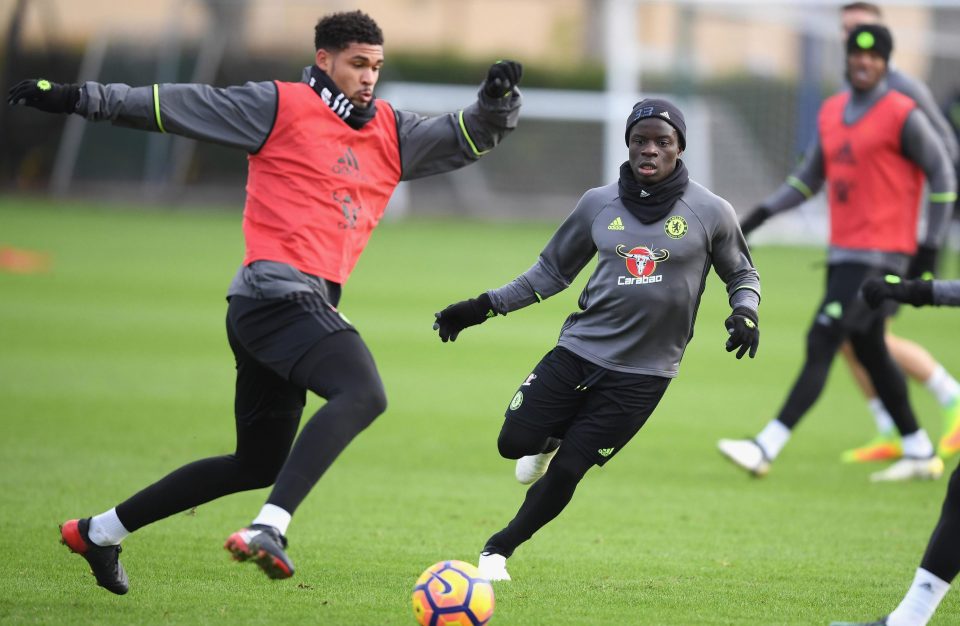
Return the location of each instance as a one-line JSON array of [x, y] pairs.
[[744, 330], [502, 78], [754, 220], [924, 263], [456, 317], [915, 292], [44, 95]]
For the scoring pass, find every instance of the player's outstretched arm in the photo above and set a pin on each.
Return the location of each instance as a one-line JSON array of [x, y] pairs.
[[744, 329], [442, 143], [44, 95], [237, 117]]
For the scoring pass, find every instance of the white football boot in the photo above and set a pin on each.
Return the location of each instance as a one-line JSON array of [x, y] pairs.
[[910, 468], [530, 468], [747, 454], [493, 566]]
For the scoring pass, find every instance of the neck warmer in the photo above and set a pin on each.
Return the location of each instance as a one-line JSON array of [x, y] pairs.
[[328, 91], [653, 202]]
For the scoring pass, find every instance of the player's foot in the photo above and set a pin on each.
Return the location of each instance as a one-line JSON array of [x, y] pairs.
[[883, 447], [950, 441], [880, 622], [493, 566], [264, 546], [530, 468], [104, 560], [909, 468], [747, 454]]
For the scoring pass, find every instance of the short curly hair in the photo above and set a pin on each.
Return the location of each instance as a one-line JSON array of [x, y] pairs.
[[338, 30]]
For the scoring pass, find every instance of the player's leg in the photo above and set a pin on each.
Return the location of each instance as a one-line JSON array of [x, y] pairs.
[[267, 412], [939, 566], [920, 365], [540, 411], [918, 456], [885, 445], [545, 499], [340, 369], [617, 405], [841, 309]]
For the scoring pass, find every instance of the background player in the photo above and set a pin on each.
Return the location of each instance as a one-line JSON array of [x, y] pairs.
[[863, 135]]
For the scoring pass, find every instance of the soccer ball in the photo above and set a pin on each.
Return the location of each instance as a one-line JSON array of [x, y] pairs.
[[452, 592]]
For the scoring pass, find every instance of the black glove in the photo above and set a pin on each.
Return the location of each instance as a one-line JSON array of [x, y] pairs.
[[456, 317], [44, 95], [924, 263], [915, 292], [502, 78], [744, 331], [754, 219]]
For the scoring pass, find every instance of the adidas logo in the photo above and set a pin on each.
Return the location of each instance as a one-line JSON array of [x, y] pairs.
[[349, 159], [644, 194], [926, 587], [605, 452], [616, 224], [665, 114]]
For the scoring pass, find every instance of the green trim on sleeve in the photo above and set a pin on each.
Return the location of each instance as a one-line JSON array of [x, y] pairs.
[[463, 129], [156, 108], [946, 196], [800, 186]]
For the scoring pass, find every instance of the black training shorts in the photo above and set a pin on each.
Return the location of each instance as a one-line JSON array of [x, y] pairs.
[[593, 409], [279, 331]]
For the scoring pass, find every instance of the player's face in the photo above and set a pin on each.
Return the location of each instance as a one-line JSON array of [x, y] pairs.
[[654, 149], [355, 70], [865, 69], [855, 17]]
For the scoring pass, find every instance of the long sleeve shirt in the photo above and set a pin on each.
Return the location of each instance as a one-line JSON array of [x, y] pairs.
[[638, 309]]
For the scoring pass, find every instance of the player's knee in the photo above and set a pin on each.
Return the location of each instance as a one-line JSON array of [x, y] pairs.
[[515, 442], [570, 463], [511, 449], [367, 403], [823, 341]]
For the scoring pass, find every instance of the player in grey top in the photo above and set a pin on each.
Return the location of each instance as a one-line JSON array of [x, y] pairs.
[[655, 234], [284, 329], [941, 559]]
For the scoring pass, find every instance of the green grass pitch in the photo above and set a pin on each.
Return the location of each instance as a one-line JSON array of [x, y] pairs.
[[114, 369]]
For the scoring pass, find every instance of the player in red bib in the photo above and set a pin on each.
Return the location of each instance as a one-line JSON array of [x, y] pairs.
[[324, 157], [874, 148]]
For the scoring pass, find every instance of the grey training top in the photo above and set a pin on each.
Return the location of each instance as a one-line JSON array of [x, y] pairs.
[[946, 292], [919, 143], [918, 91], [243, 117], [638, 308]]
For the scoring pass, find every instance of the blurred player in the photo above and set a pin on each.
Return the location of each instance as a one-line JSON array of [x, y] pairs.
[[941, 561], [656, 234], [912, 358], [324, 157], [873, 148]]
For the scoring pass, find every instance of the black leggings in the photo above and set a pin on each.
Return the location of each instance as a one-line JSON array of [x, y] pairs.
[[339, 368], [823, 342], [547, 497], [942, 558]]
